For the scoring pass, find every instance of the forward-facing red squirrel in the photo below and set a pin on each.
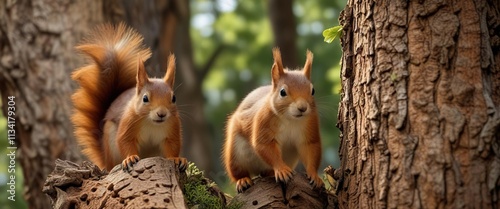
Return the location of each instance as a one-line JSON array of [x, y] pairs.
[[274, 127], [121, 115]]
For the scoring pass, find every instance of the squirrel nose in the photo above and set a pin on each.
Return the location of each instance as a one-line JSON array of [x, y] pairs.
[[161, 115], [302, 109]]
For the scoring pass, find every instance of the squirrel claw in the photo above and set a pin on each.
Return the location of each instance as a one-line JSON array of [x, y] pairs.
[[315, 181], [243, 184], [283, 175], [180, 162], [129, 162]]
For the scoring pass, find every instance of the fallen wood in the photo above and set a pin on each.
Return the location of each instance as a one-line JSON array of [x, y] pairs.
[[298, 193], [153, 183], [157, 183]]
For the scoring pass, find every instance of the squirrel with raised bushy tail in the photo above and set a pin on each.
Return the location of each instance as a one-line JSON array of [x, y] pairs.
[[121, 115], [274, 127]]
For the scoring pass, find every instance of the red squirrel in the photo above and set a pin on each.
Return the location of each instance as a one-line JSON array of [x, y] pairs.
[[273, 127], [120, 114]]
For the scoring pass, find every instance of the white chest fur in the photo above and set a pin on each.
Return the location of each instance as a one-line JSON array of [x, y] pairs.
[[291, 131], [290, 137], [152, 137]]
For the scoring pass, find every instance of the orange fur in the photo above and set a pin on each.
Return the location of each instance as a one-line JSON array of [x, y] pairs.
[[112, 122], [268, 133]]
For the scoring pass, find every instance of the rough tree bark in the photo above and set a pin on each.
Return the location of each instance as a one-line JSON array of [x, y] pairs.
[[420, 104], [36, 57]]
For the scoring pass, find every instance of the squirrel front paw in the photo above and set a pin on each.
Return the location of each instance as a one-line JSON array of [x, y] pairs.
[[129, 162], [180, 162], [283, 174], [315, 180], [243, 184]]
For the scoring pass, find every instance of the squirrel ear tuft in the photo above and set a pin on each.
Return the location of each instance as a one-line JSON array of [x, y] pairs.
[[142, 76], [277, 69], [308, 65], [170, 73]]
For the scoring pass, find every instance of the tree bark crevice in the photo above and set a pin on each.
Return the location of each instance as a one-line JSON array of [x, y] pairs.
[[418, 107]]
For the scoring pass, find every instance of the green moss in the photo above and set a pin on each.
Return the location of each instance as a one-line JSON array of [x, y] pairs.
[[198, 195], [394, 77], [234, 205], [197, 190]]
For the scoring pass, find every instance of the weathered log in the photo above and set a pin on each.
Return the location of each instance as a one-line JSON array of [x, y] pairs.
[[298, 193], [157, 183], [153, 183]]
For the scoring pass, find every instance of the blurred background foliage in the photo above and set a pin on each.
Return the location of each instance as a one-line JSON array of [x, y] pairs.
[[243, 30]]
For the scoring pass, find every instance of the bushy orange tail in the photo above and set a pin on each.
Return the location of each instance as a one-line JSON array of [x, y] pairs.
[[115, 51]]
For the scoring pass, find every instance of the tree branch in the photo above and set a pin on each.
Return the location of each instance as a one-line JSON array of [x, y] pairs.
[[210, 62]]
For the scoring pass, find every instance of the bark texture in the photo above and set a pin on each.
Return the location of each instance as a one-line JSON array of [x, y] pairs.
[[420, 104], [297, 193], [153, 183], [157, 183], [36, 57]]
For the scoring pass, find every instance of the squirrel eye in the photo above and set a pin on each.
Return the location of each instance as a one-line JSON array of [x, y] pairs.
[[282, 93], [312, 92], [173, 99], [145, 98]]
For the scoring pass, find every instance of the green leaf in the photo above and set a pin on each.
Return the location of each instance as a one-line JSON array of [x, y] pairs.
[[331, 34]]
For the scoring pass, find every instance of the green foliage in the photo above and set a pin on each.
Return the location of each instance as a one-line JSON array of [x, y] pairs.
[[196, 190], [331, 34], [197, 195]]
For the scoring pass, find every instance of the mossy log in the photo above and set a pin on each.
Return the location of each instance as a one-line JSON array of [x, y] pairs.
[[157, 183]]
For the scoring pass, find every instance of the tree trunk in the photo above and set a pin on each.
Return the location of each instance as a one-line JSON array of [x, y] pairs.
[[420, 105], [284, 30], [152, 19], [36, 58], [197, 138]]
